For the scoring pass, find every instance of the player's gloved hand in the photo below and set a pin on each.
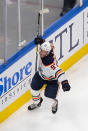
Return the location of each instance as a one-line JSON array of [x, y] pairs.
[[38, 40], [65, 85]]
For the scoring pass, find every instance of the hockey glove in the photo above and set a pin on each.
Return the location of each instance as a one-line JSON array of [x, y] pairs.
[[65, 85], [38, 40]]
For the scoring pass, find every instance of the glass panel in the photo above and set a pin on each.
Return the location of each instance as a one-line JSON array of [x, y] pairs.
[[28, 22], [9, 24], [29, 16], [12, 28], [9, 34], [55, 7]]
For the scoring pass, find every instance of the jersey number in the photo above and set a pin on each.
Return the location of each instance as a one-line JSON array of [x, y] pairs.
[[53, 66]]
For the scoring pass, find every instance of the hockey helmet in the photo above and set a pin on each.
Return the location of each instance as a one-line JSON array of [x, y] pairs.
[[46, 46]]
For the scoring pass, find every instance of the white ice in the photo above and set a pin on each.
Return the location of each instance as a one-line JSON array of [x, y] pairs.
[[72, 114]]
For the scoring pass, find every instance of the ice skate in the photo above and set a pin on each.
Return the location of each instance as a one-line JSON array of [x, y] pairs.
[[33, 106], [55, 107]]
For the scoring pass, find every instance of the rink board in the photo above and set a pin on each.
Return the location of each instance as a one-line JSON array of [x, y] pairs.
[[16, 75]]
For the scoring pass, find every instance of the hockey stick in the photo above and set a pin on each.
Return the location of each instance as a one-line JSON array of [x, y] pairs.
[[38, 33], [38, 29]]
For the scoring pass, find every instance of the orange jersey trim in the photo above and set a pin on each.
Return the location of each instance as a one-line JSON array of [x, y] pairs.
[[36, 98], [47, 78], [59, 73]]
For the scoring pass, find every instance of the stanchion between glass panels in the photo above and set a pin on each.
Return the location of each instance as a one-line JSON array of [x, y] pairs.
[[5, 28]]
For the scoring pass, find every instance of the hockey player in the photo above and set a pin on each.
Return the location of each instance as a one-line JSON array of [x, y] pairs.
[[48, 73]]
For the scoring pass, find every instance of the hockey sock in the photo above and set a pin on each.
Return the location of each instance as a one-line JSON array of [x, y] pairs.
[[35, 96]]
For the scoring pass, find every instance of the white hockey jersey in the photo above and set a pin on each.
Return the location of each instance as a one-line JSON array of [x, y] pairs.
[[51, 71]]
